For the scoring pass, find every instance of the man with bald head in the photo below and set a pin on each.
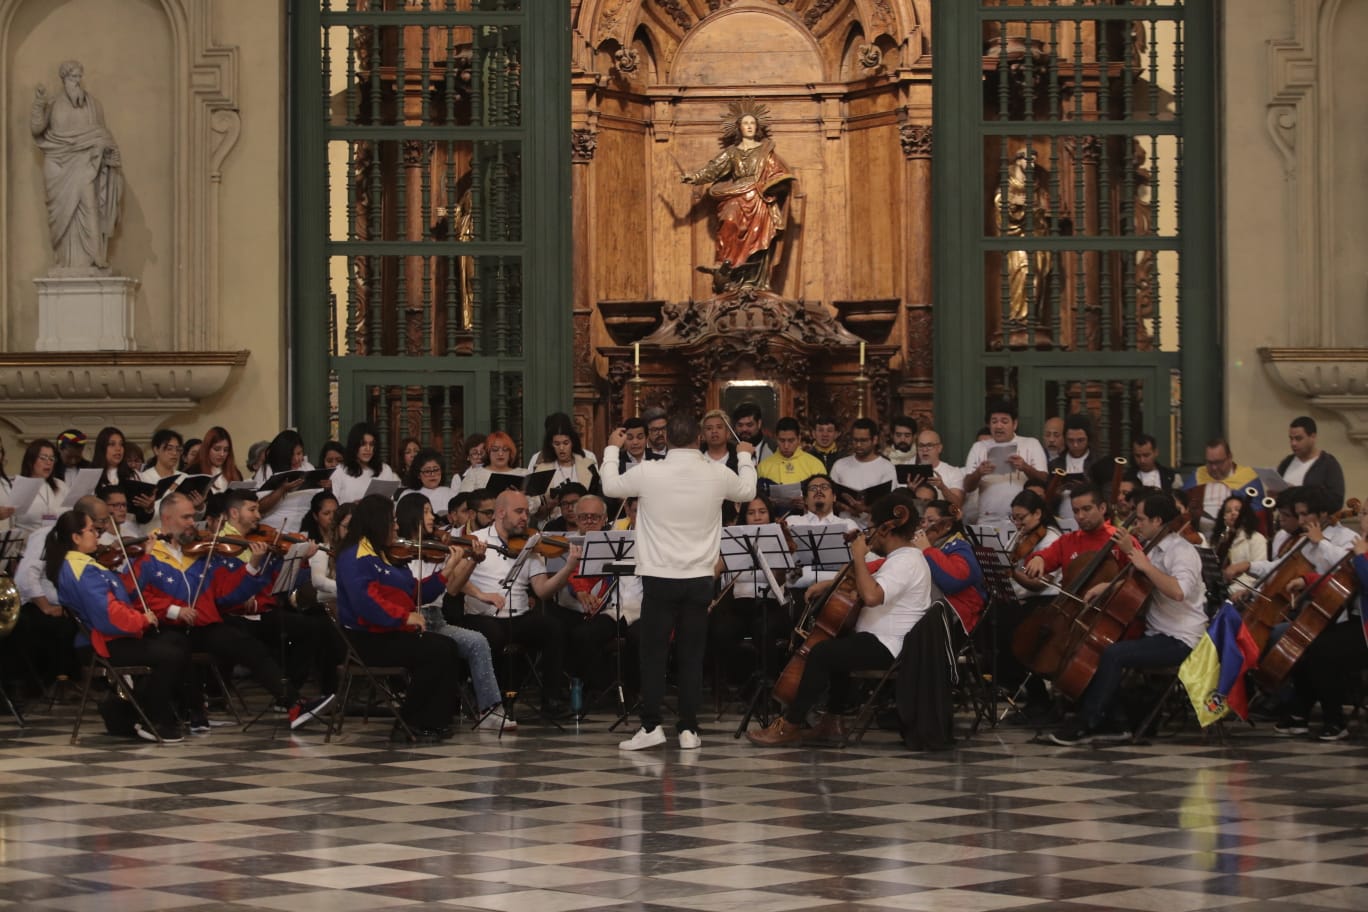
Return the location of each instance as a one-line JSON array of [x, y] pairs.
[[505, 615]]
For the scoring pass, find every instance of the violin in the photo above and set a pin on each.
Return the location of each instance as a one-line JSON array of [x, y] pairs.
[[1027, 542], [431, 550], [547, 546], [112, 555]]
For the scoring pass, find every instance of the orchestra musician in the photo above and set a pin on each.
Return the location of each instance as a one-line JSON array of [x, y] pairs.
[[750, 611], [1094, 533], [122, 629], [1320, 675], [1175, 618], [1035, 530], [895, 597], [375, 604], [1239, 543], [956, 575], [187, 588], [414, 519], [679, 536]]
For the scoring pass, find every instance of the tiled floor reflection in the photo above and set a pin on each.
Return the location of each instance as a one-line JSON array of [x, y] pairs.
[[551, 822]]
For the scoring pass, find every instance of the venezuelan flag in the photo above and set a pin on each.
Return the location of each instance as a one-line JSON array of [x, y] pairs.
[[1214, 673]]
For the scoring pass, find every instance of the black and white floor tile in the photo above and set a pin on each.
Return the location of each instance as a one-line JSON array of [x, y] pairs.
[[551, 822]]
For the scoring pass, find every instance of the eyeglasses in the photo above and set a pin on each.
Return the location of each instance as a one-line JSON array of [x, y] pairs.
[[45, 457], [430, 470], [818, 488], [590, 517], [484, 512]]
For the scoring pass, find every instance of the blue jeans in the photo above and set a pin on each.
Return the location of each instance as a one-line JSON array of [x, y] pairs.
[[474, 648], [1153, 651]]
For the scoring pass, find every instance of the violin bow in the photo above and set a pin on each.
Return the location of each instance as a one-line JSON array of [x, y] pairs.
[[137, 586]]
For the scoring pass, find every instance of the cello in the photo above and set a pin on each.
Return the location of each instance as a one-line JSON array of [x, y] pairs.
[[1317, 609], [1268, 604], [837, 614], [1040, 641], [1106, 619]]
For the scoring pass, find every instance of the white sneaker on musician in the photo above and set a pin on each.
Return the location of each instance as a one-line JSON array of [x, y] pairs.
[[495, 721], [644, 739], [689, 740]]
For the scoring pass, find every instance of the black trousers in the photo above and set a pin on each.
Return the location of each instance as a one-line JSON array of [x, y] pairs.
[[532, 630], [168, 655], [588, 638], [677, 607], [1322, 674], [311, 645], [432, 662], [44, 641], [764, 621], [230, 644], [828, 671], [1010, 671]]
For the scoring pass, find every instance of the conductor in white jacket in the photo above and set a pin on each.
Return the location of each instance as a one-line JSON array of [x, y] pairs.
[[679, 537]]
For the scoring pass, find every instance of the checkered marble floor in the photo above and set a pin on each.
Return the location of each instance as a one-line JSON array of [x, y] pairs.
[[550, 822]]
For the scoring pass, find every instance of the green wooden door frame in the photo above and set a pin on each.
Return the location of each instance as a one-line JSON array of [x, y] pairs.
[[958, 242], [545, 364]]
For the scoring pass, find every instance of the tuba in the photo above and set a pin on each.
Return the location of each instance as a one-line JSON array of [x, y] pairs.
[[9, 605]]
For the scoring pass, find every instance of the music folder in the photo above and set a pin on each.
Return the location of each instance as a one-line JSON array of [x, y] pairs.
[[914, 470], [868, 495], [502, 481], [537, 484], [312, 479]]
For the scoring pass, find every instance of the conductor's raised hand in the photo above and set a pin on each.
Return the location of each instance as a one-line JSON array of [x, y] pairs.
[[744, 447], [618, 437]]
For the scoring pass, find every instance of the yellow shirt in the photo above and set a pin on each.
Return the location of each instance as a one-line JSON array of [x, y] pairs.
[[790, 470]]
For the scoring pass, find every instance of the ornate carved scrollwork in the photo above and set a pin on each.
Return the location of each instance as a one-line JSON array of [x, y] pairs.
[[916, 140], [815, 12], [583, 145], [675, 10], [869, 56], [626, 60]]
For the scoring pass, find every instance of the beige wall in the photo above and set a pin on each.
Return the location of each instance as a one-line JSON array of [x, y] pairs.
[[127, 49], [1264, 226]]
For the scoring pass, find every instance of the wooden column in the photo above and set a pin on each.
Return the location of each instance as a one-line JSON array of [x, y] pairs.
[[918, 387]]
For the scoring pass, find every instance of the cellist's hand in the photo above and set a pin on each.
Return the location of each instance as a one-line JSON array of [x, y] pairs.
[[1035, 567], [859, 550], [1312, 527], [817, 590], [1295, 587], [1094, 592]]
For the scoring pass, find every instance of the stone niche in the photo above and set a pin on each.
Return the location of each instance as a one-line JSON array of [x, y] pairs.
[[172, 108]]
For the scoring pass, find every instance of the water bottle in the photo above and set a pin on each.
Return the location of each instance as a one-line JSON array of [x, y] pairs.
[[576, 696]]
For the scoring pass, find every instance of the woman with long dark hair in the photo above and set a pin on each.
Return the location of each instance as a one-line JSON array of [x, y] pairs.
[[286, 505], [361, 463], [425, 476], [1238, 541], [375, 604], [121, 628], [415, 518], [40, 459]]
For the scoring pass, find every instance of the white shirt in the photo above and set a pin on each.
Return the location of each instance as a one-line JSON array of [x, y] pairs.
[[489, 574], [1183, 619], [1150, 479], [951, 476], [351, 488], [679, 514], [1296, 470], [439, 497], [321, 574], [1247, 546], [1020, 591], [1323, 556], [905, 580], [30, 579], [996, 491], [858, 475], [43, 512]]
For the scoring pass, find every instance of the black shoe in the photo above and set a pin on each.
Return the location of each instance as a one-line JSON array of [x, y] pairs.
[[199, 725], [1332, 733], [170, 734]]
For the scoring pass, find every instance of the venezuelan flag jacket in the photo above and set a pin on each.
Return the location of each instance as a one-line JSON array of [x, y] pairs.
[[374, 595], [168, 577], [98, 596], [956, 573]]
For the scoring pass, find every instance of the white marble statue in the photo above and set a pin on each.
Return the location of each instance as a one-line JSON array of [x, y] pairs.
[[81, 172]]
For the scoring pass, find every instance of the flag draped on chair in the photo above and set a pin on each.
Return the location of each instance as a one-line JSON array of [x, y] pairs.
[[1214, 673]]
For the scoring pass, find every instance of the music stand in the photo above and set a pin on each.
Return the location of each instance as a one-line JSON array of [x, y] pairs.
[[611, 552], [281, 587], [821, 547], [997, 579], [763, 549], [12, 544], [506, 584], [1216, 586]]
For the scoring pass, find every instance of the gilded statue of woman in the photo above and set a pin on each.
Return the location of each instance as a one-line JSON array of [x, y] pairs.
[[749, 184]]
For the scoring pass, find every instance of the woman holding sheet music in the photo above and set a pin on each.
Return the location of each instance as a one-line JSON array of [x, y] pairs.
[[500, 455], [216, 460], [362, 463], [39, 460]]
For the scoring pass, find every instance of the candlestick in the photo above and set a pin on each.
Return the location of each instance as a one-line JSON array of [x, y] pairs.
[[862, 345], [636, 354]]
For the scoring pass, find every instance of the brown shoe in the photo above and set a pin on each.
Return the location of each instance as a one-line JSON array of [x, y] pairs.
[[778, 733], [830, 729]]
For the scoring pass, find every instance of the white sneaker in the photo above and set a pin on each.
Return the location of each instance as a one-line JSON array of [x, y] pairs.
[[495, 721], [689, 740], [643, 739]]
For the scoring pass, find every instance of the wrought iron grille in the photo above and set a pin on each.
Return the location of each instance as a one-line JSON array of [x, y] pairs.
[[1084, 130], [433, 124]]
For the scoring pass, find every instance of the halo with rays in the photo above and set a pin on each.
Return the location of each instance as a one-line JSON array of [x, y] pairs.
[[731, 120]]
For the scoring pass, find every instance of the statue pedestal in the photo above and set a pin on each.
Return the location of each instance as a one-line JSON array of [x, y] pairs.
[[89, 313]]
